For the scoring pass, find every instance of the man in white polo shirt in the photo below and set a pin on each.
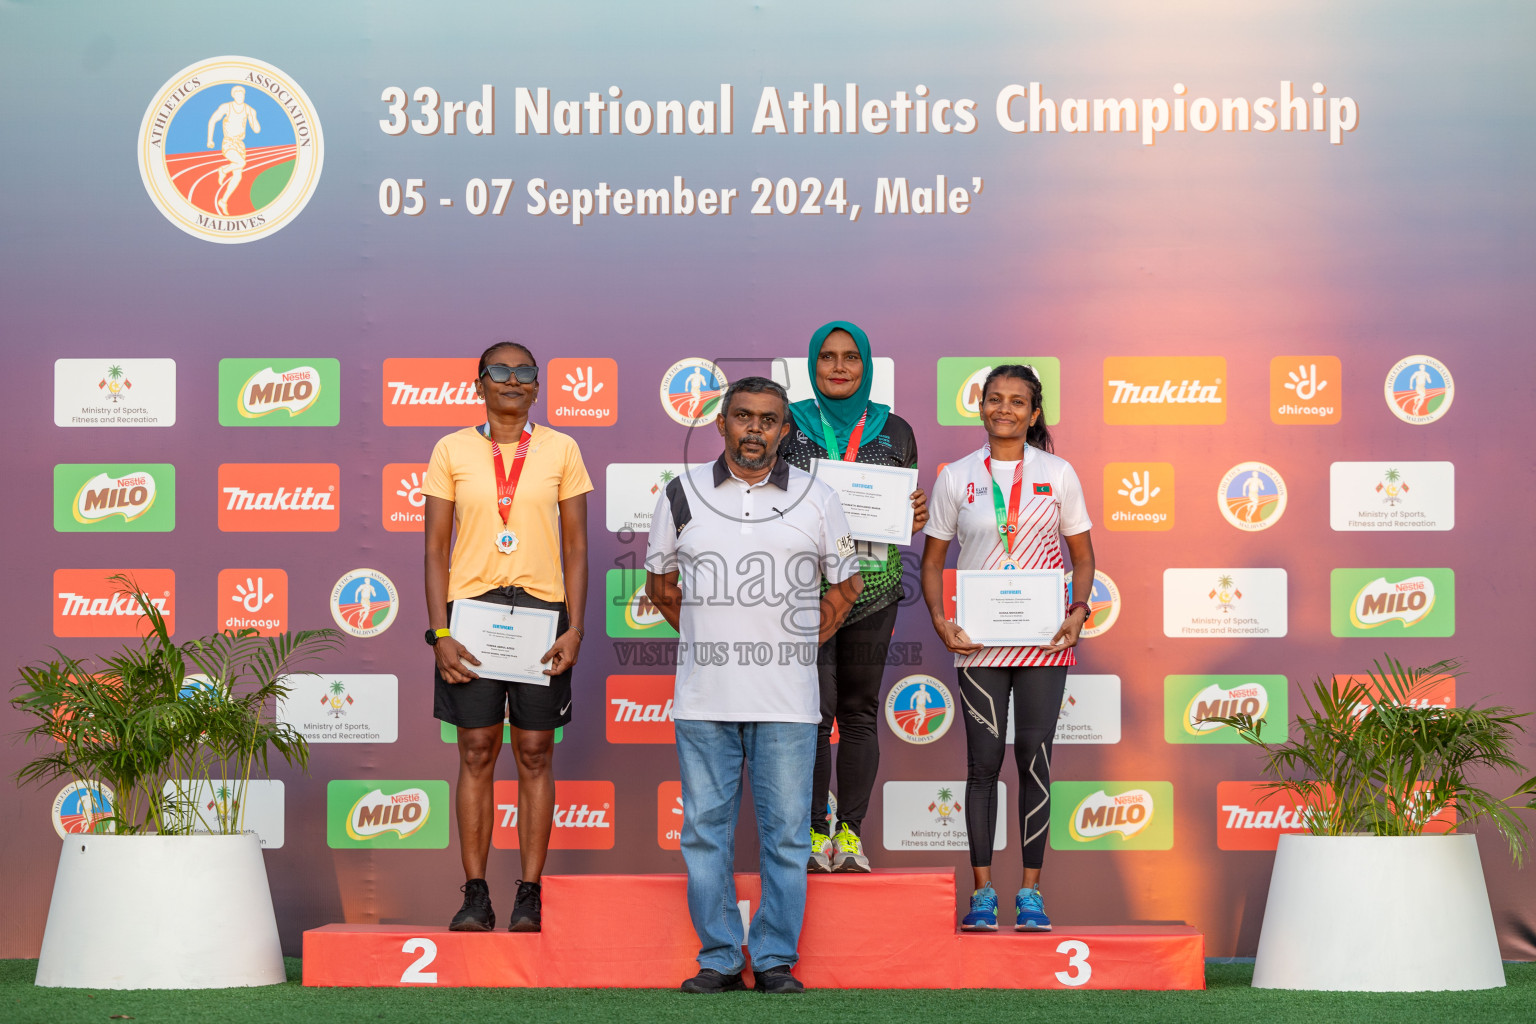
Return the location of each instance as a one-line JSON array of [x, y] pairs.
[[738, 549]]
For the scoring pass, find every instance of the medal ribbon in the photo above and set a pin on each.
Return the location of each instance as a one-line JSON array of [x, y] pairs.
[[1007, 519], [506, 481], [854, 437]]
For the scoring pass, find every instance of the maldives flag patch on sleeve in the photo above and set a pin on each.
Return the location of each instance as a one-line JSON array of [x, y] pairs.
[[1042, 488]]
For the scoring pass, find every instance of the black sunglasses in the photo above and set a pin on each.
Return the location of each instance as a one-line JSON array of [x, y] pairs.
[[501, 373]]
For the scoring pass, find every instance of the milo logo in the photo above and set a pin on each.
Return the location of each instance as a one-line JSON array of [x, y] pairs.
[[1407, 602], [1192, 703], [114, 499], [630, 612], [268, 391], [1217, 702], [386, 814], [640, 612], [104, 495], [1100, 814], [402, 813], [1111, 815], [279, 392]]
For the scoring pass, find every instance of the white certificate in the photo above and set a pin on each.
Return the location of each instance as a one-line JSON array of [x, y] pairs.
[[1010, 607], [508, 642], [876, 499]]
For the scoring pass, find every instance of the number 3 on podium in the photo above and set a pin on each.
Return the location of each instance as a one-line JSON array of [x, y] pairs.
[[1079, 970]]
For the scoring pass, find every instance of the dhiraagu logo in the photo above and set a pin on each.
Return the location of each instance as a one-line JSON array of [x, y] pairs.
[[386, 814], [629, 612], [1393, 602], [1190, 702], [1111, 816], [128, 498], [960, 379], [279, 392]]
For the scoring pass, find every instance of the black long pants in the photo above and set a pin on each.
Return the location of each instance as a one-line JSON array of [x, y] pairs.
[[1037, 693], [850, 666]]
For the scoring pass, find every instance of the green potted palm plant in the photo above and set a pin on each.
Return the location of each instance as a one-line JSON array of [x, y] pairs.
[[167, 887], [1388, 788]]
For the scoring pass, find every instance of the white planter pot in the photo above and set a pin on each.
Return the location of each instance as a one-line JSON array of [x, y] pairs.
[[1378, 914], [160, 912]]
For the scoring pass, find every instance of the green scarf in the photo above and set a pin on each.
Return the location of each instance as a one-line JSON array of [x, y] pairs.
[[841, 413]]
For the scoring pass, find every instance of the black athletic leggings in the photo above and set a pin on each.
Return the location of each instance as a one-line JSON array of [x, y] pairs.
[[850, 666], [1037, 695]]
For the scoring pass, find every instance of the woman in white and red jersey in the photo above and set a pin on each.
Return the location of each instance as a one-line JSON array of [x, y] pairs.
[[1010, 503]]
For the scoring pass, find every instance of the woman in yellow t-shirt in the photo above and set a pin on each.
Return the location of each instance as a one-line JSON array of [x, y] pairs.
[[511, 496]]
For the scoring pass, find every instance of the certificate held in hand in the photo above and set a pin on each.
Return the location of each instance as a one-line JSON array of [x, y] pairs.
[[876, 499], [508, 641], [1010, 607]]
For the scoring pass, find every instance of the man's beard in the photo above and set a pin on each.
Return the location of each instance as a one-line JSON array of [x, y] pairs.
[[754, 462]]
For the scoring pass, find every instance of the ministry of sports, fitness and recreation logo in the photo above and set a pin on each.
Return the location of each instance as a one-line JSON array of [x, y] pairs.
[[230, 149], [919, 709], [691, 390], [1252, 496], [1103, 606], [1419, 389], [364, 602], [82, 808]]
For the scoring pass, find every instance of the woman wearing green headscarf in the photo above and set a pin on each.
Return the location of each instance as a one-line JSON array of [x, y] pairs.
[[842, 423]]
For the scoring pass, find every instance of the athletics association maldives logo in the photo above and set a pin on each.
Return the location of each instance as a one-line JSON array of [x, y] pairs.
[[1419, 390], [364, 602], [1252, 496], [230, 149], [83, 808], [919, 709], [691, 389], [1103, 606]]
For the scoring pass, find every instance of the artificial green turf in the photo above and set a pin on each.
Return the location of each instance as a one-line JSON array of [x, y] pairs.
[[1228, 1000]]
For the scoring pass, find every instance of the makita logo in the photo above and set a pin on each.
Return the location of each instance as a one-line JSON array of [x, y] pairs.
[[299, 499], [1252, 816], [90, 602], [115, 604], [1188, 392], [1288, 818], [584, 817], [1165, 390], [279, 496], [629, 711], [570, 816], [431, 392], [640, 709], [446, 393]]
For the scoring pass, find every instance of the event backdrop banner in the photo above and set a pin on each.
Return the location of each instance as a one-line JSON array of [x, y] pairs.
[[1272, 261]]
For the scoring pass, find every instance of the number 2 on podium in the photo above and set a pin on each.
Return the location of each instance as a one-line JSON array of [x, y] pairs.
[[414, 975]]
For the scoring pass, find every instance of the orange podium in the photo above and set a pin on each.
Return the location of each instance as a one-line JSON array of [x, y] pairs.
[[633, 931]]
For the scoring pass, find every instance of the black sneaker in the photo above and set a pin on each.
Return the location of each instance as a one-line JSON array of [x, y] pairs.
[[476, 914], [527, 909], [778, 980], [709, 981]]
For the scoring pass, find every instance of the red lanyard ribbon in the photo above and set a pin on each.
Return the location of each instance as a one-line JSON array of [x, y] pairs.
[[506, 481], [854, 437], [1007, 521]]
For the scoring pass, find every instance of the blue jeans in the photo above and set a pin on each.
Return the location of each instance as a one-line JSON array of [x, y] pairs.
[[779, 757]]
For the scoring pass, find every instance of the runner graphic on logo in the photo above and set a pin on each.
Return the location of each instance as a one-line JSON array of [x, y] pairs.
[[1253, 488], [236, 116], [364, 595], [696, 390], [920, 701], [1420, 382]]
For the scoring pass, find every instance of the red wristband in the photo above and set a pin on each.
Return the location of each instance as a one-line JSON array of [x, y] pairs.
[[1087, 612]]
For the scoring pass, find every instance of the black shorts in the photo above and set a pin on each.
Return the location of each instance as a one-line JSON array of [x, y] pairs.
[[485, 702]]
